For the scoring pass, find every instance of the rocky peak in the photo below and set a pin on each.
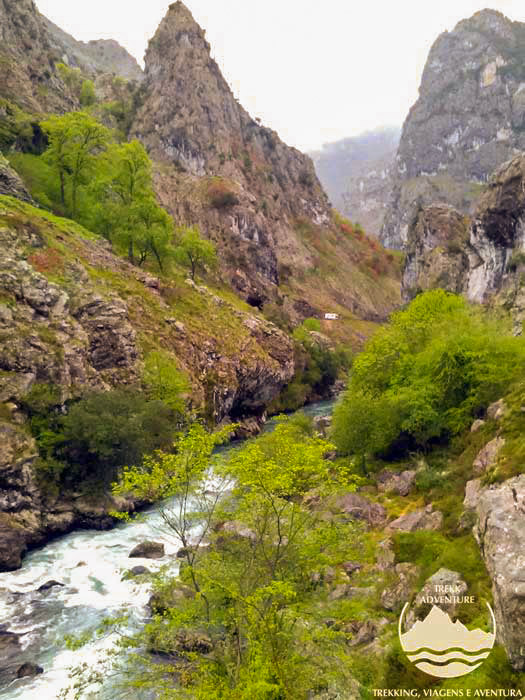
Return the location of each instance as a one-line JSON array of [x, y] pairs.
[[268, 192], [468, 120]]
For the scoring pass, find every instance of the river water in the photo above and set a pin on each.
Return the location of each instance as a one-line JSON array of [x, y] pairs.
[[90, 565]]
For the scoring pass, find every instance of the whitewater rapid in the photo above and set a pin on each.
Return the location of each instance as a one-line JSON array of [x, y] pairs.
[[90, 565]]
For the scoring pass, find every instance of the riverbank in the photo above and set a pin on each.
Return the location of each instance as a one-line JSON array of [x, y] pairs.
[[91, 567]]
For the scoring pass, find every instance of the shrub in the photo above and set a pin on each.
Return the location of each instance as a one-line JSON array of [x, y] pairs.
[[108, 430], [312, 324], [221, 195], [87, 93]]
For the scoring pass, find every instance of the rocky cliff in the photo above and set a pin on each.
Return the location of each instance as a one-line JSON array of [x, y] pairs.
[[482, 257], [355, 173], [257, 198], [75, 316], [468, 120]]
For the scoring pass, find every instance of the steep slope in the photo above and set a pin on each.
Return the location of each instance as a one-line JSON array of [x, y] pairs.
[[258, 199], [76, 317], [483, 258], [96, 56], [468, 120], [355, 173]]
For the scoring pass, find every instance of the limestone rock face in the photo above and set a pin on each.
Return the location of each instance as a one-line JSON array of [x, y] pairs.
[[436, 251], [259, 200], [63, 323], [30, 48], [468, 120], [98, 55], [501, 535], [191, 120], [355, 173], [483, 259], [423, 519]]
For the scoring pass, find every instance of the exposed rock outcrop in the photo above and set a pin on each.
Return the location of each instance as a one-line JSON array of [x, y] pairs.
[[258, 199], [501, 535], [468, 120], [483, 259], [423, 519], [11, 183], [72, 315]]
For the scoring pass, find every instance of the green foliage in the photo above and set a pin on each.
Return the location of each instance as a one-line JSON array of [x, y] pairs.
[[164, 382], [318, 366], [75, 141], [193, 251], [252, 607], [99, 433], [39, 176], [105, 431], [18, 129], [312, 324], [424, 377], [87, 93]]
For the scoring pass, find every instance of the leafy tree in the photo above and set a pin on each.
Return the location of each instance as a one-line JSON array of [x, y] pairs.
[[128, 213], [195, 252], [107, 430], [424, 377], [75, 140], [164, 381], [87, 94]]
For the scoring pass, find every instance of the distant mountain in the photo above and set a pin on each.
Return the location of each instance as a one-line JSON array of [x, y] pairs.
[[356, 174]]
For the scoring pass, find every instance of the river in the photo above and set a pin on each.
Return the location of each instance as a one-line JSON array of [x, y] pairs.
[[90, 565]]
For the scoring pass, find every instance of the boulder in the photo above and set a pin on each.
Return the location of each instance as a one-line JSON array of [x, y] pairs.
[[134, 572], [350, 567], [237, 530], [497, 410], [346, 591], [396, 482], [48, 585], [148, 550], [10, 650], [500, 532], [29, 670], [488, 456], [385, 555], [423, 519], [395, 596], [360, 508], [477, 425], [431, 588], [473, 490]]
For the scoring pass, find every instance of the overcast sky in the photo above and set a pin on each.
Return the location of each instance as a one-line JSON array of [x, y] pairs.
[[314, 70]]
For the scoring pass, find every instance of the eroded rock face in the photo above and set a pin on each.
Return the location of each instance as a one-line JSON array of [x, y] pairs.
[[11, 183], [259, 200], [467, 121], [190, 119], [483, 259], [500, 532], [437, 251]]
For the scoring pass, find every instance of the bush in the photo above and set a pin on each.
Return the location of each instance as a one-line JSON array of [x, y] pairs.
[[312, 324], [425, 377], [220, 195], [105, 431], [100, 433]]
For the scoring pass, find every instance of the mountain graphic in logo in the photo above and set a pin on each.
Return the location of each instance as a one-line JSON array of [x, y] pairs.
[[443, 648]]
